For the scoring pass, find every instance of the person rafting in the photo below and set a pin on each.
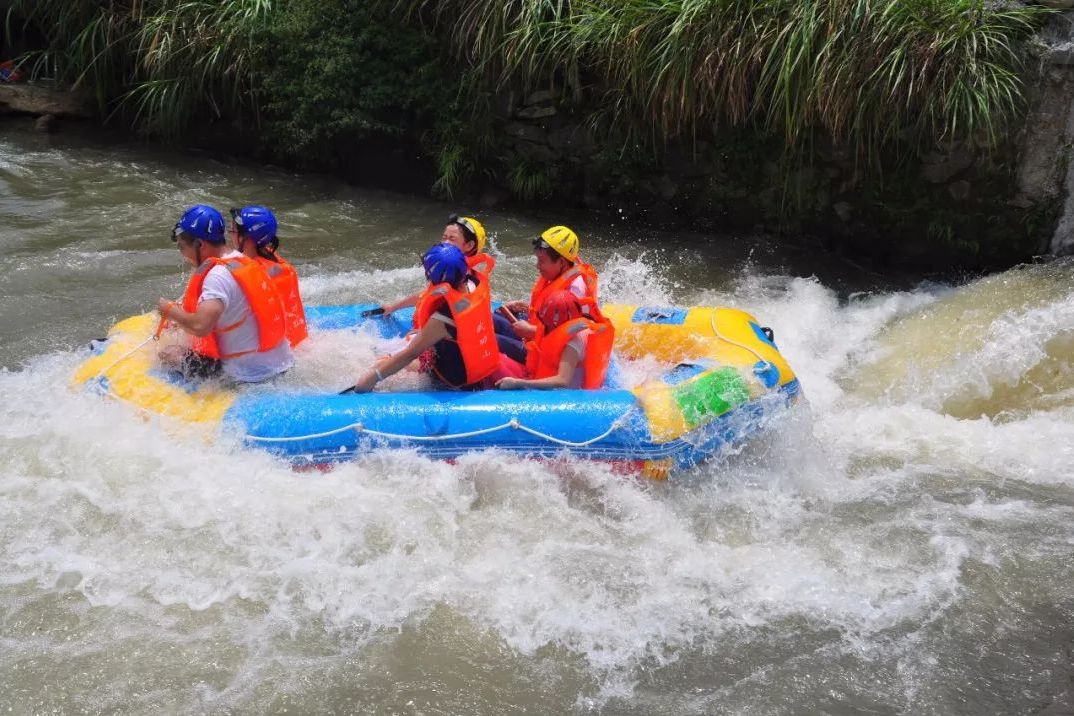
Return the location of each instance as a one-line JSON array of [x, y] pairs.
[[253, 231], [571, 350], [468, 235], [453, 335], [559, 268], [230, 307]]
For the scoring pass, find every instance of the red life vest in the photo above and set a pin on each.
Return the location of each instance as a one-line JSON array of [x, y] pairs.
[[481, 264], [544, 353], [472, 313], [543, 288], [265, 305], [285, 279]]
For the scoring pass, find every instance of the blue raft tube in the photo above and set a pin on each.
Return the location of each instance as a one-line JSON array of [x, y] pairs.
[[727, 380]]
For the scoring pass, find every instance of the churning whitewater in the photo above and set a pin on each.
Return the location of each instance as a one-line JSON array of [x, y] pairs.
[[899, 542]]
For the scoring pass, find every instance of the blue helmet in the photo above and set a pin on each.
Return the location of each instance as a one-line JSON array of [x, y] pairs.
[[256, 222], [444, 263], [202, 222]]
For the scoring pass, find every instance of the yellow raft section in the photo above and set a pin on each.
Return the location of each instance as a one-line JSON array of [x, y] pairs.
[[123, 370], [718, 338]]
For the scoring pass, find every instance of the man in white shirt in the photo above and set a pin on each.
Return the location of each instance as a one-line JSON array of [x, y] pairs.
[[230, 307]]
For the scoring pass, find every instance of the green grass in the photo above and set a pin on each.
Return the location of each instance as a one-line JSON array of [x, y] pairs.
[[869, 73], [164, 62]]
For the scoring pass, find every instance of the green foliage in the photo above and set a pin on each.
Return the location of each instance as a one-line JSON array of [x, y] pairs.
[[162, 62], [528, 179], [870, 73], [336, 73]]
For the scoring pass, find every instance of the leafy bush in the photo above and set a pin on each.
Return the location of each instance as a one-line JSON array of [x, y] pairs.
[[337, 73]]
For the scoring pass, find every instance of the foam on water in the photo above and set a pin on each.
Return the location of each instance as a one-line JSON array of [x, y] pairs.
[[142, 517]]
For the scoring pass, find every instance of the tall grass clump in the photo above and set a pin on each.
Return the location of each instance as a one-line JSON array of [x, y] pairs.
[[872, 74], [162, 62]]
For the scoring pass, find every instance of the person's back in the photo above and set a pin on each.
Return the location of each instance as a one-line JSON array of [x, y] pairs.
[[254, 231], [238, 333], [468, 351], [230, 309]]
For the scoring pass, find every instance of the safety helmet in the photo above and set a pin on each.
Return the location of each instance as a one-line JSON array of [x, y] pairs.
[[202, 222], [561, 240], [558, 308], [471, 229], [255, 222], [444, 263]]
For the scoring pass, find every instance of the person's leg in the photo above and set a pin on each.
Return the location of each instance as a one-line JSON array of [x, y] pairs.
[[191, 365], [507, 369], [509, 343], [512, 347], [195, 366]]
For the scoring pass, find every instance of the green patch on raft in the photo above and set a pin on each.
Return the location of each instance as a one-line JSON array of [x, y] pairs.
[[711, 395]]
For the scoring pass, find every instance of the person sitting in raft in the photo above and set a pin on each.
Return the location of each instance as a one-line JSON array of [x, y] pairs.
[[571, 350], [468, 235], [453, 330], [253, 231], [559, 269], [230, 307]]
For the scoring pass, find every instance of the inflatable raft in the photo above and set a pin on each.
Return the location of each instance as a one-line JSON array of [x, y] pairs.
[[726, 380]]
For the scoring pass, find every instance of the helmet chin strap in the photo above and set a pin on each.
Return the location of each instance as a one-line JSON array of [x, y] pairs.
[[197, 252]]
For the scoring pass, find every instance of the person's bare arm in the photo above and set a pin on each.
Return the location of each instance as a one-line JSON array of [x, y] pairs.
[[428, 336], [405, 302], [200, 323]]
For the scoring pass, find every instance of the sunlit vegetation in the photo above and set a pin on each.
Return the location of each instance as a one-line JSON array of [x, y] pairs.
[[869, 73]]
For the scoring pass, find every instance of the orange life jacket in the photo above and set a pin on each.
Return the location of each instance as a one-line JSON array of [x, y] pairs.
[[265, 305], [543, 355], [472, 313], [482, 264], [543, 288], [285, 279]]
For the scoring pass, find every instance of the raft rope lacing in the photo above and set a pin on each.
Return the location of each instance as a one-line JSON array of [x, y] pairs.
[[512, 424]]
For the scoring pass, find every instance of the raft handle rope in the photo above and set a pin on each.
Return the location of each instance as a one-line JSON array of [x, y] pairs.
[[716, 331], [100, 382], [153, 337], [512, 424]]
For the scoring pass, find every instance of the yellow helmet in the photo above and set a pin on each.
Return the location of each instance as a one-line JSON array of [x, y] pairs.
[[563, 241], [472, 226]]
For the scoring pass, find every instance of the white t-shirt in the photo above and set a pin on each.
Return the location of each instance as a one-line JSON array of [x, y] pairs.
[[253, 367]]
